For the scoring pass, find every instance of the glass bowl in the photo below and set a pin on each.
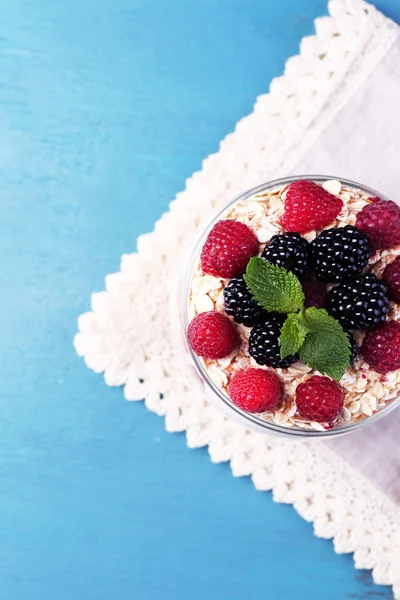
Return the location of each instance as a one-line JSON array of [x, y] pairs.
[[215, 395]]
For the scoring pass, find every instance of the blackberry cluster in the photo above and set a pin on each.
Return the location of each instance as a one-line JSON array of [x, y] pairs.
[[290, 251], [361, 303], [241, 305], [339, 254], [264, 343], [336, 256]]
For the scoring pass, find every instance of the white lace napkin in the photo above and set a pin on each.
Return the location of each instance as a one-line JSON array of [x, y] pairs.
[[335, 111], [363, 142]]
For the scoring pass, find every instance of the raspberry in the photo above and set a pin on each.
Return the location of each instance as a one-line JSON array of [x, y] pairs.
[[241, 305], [381, 348], [360, 303], [255, 390], [380, 221], [315, 293], [290, 251], [264, 343], [228, 248], [391, 275], [308, 206], [319, 399], [212, 335], [340, 253]]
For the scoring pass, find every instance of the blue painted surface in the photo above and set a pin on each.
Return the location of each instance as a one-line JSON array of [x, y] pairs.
[[106, 108]]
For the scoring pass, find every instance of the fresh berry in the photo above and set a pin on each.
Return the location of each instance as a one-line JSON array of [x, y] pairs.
[[255, 390], [353, 346], [381, 348], [319, 399], [241, 305], [380, 221], [228, 248], [315, 293], [264, 343], [340, 253], [212, 335], [308, 206], [391, 276], [290, 251], [359, 304]]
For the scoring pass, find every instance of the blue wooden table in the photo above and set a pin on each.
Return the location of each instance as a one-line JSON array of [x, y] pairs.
[[106, 108]]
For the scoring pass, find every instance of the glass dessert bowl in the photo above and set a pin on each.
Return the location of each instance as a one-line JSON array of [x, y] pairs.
[[290, 310]]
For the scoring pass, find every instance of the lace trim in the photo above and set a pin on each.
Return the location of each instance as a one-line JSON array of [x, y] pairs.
[[128, 333]]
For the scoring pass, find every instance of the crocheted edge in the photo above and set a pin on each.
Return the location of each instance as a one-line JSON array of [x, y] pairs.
[[362, 24]]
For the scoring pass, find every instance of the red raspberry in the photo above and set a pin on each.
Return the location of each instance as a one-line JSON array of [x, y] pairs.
[[381, 347], [228, 248], [315, 293], [308, 206], [255, 390], [319, 399], [380, 221], [212, 335], [391, 276]]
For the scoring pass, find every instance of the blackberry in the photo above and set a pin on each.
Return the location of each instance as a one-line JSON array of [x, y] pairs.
[[264, 343], [340, 253], [359, 304], [241, 305], [353, 346], [290, 251], [315, 293]]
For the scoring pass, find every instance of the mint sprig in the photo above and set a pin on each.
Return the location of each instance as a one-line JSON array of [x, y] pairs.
[[293, 334], [318, 338], [274, 288], [326, 347]]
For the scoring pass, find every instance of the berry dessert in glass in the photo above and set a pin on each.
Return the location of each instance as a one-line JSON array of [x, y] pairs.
[[291, 307]]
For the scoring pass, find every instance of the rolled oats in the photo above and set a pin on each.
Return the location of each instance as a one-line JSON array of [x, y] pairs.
[[317, 426], [276, 204], [225, 362], [203, 303], [346, 414], [333, 186], [361, 384], [265, 233], [366, 408], [280, 418], [354, 407], [351, 220], [206, 283], [378, 390], [370, 398], [217, 375]]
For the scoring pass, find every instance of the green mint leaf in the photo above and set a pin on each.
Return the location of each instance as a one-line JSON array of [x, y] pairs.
[[326, 347], [274, 288], [293, 334]]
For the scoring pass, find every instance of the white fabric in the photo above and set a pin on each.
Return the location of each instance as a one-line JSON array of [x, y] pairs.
[[363, 143], [128, 335]]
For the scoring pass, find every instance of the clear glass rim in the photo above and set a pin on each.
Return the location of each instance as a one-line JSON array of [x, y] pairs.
[[251, 418]]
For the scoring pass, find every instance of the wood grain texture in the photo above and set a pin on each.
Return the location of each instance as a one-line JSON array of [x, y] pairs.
[[106, 108]]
